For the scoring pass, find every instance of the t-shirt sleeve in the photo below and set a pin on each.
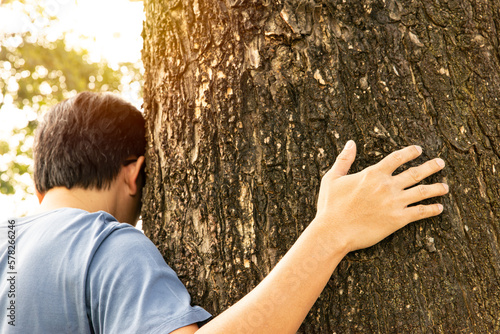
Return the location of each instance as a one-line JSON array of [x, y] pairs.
[[130, 288]]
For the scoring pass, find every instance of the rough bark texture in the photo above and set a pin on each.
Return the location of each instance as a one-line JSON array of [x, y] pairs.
[[249, 102]]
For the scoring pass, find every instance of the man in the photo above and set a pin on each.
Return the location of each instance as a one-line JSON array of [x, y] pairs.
[[79, 268]]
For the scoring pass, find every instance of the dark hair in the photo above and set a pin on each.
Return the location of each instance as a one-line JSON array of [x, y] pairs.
[[83, 141]]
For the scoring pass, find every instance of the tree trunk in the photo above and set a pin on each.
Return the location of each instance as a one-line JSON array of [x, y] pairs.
[[248, 102]]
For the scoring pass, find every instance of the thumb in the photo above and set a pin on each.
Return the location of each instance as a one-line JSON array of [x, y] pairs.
[[344, 159]]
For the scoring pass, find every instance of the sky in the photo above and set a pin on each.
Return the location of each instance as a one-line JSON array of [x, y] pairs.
[[108, 29]]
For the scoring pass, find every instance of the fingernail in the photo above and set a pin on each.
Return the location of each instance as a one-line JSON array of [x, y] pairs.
[[446, 187], [440, 207], [440, 162], [349, 144], [419, 149]]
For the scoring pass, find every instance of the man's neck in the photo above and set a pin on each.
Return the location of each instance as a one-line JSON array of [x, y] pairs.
[[90, 200]]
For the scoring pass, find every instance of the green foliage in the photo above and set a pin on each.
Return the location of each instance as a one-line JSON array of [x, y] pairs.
[[37, 75], [48, 72], [4, 147], [4, 2]]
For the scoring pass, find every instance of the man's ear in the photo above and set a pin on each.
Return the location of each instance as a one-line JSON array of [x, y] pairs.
[[133, 171], [39, 195]]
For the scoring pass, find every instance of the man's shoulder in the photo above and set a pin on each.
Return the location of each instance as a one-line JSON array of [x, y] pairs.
[[72, 219], [92, 229], [69, 230]]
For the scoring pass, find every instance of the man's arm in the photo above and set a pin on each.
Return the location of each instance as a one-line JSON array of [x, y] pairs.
[[354, 212]]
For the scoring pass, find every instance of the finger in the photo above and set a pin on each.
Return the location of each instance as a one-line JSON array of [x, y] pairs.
[[414, 175], [421, 192], [344, 160], [414, 213], [397, 158]]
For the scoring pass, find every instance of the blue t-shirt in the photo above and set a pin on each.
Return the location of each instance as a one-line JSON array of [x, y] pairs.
[[77, 272]]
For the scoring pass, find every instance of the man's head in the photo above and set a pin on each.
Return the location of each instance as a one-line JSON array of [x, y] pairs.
[[84, 141]]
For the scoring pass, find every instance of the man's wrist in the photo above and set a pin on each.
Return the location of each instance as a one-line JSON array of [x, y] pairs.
[[329, 237]]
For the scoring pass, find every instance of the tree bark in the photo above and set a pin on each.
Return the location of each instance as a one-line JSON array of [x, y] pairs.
[[248, 102]]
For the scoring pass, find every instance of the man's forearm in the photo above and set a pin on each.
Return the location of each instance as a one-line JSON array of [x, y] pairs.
[[282, 300]]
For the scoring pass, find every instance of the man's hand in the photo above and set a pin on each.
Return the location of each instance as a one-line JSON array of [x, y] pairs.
[[354, 211], [364, 208]]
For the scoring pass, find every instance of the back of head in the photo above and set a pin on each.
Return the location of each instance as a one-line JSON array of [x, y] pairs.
[[83, 141]]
